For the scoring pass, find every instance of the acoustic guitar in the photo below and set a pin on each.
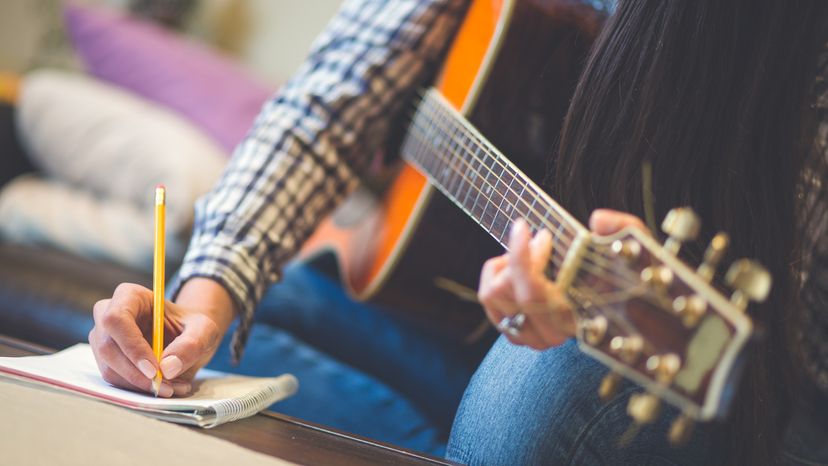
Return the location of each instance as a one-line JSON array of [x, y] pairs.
[[511, 69], [639, 309]]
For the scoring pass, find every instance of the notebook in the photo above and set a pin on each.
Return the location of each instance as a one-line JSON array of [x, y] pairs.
[[217, 397]]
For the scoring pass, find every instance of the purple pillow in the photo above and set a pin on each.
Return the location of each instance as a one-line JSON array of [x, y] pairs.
[[212, 91]]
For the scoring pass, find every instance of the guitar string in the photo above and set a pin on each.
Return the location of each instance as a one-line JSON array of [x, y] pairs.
[[586, 287], [423, 136], [448, 118], [588, 261], [593, 257], [590, 254], [580, 283], [465, 128]]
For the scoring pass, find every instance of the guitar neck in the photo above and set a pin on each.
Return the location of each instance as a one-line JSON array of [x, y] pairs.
[[468, 169]]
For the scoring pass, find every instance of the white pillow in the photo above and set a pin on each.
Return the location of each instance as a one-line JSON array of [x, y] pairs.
[[97, 137], [34, 210], [102, 151]]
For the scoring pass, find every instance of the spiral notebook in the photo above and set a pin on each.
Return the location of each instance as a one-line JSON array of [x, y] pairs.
[[217, 397]]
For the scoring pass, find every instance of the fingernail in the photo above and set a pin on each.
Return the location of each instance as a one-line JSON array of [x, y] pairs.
[[516, 230], [146, 368], [166, 390], [171, 367], [181, 388]]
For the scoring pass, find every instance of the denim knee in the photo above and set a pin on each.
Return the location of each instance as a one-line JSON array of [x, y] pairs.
[[541, 407]]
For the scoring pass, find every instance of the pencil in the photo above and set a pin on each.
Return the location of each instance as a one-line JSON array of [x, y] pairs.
[[158, 284]]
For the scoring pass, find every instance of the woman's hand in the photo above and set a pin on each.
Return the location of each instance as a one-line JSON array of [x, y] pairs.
[[193, 329], [515, 283]]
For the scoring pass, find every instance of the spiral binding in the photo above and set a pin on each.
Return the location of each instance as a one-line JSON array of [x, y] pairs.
[[248, 405]]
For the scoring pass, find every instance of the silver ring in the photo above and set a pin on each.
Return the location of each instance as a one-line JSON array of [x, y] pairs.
[[512, 325]]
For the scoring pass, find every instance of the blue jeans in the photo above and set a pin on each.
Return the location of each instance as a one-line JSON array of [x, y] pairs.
[[359, 369], [541, 407]]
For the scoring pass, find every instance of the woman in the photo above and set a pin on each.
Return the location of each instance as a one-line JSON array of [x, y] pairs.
[[713, 94], [721, 99]]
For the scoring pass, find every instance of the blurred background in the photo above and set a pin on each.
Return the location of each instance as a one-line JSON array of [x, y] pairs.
[[268, 37], [100, 100]]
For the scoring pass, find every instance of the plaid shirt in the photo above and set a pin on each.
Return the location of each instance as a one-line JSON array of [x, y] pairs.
[[311, 142]]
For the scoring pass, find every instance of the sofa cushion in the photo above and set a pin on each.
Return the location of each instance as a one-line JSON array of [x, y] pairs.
[[210, 90], [102, 151]]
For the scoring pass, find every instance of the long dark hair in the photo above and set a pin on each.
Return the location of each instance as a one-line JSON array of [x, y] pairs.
[[714, 95]]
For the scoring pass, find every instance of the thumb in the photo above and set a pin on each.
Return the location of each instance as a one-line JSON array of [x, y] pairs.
[[193, 347]]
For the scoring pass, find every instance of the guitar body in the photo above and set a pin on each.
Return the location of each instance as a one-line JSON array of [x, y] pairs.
[[511, 71]]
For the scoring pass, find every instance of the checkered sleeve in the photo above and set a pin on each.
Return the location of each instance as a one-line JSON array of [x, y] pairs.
[[311, 142]]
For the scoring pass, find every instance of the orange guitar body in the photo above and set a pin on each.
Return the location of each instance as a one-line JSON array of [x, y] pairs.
[[410, 250]]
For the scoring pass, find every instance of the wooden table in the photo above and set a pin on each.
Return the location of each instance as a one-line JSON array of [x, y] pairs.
[[283, 436]]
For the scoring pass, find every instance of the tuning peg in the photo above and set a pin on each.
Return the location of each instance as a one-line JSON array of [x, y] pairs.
[[681, 224], [657, 276], [627, 249], [713, 255], [664, 366], [609, 386], [750, 280], [643, 408], [680, 430], [594, 329], [627, 348], [690, 308]]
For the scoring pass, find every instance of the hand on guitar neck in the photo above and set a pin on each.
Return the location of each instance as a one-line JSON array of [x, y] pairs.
[[516, 284]]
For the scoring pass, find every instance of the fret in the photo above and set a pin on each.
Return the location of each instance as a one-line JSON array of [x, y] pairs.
[[510, 197], [476, 176], [534, 225], [451, 155], [491, 179], [473, 209], [478, 191], [459, 168], [472, 171]]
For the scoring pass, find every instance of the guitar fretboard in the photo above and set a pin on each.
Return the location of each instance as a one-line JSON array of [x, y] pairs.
[[468, 169]]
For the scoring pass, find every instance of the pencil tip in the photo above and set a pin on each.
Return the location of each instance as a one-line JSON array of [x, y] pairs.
[[156, 386]]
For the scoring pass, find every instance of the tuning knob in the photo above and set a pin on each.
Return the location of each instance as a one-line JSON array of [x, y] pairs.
[[643, 408], [627, 348], [713, 255], [690, 308], [594, 329], [657, 276], [750, 280], [681, 224], [626, 249], [609, 386], [680, 431], [664, 366]]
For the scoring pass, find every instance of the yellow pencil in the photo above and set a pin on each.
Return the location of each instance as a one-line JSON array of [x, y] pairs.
[[158, 284]]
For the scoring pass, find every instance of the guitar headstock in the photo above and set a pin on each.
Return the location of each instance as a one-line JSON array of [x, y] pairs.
[[653, 319]]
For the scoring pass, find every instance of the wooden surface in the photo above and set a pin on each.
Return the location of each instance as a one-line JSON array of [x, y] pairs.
[[284, 436]]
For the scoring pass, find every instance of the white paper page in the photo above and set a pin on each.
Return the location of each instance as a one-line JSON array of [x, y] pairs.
[[76, 367]]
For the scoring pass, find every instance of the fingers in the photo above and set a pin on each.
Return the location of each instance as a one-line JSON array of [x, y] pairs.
[[520, 256], [607, 222], [118, 318], [540, 248], [123, 355], [191, 349], [117, 369], [516, 282]]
